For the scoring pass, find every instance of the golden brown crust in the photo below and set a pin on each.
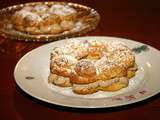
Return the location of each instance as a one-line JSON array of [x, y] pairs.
[[112, 72], [85, 91], [114, 87], [50, 19], [61, 65], [75, 78], [85, 68]]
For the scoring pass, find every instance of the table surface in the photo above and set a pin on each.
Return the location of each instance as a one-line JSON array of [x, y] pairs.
[[138, 20]]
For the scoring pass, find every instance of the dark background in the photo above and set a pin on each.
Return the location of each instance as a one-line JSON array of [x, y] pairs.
[[138, 20]]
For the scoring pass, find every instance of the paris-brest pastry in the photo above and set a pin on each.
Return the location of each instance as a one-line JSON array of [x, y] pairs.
[[90, 66]]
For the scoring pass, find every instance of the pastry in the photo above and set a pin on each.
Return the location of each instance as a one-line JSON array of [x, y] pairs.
[[45, 19], [90, 66]]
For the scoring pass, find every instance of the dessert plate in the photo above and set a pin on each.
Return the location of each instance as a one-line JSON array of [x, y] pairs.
[[32, 70], [87, 19]]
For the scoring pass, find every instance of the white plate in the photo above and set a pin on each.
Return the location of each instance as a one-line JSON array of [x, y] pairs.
[[31, 74]]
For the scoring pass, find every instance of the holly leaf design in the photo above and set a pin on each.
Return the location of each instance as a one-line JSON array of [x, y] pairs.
[[140, 49]]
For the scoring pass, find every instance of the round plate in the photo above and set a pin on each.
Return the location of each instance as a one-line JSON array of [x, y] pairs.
[[89, 17], [31, 75]]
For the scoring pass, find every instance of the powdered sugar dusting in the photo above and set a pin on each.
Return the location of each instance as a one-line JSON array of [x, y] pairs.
[[26, 13], [119, 54], [62, 10]]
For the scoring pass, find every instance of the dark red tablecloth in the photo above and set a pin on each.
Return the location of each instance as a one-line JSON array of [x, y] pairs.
[[138, 20]]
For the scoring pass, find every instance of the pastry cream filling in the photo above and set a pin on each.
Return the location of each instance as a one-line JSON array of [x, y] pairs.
[[61, 80], [101, 83]]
